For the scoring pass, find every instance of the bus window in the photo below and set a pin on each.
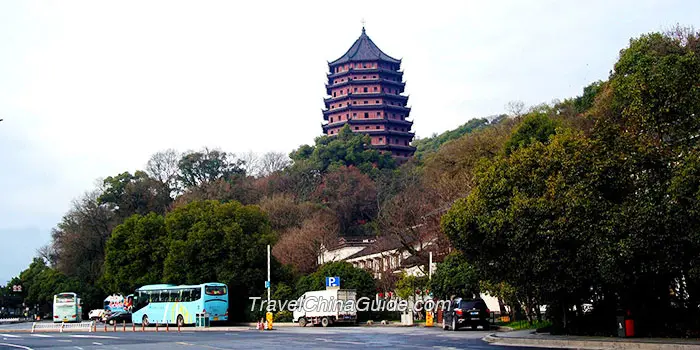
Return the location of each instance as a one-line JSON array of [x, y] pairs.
[[196, 294], [215, 290], [65, 298], [186, 295]]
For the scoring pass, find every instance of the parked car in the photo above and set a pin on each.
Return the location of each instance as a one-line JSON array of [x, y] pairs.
[[466, 312], [118, 317]]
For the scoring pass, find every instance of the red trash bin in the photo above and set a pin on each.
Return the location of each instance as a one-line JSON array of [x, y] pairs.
[[629, 325]]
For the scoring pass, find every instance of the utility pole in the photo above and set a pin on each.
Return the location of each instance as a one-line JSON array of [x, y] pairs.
[[430, 265], [269, 283]]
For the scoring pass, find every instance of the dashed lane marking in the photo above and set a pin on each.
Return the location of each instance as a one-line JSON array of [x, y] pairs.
[[93, 336], [9, 336], [96, 343], [42, 335]]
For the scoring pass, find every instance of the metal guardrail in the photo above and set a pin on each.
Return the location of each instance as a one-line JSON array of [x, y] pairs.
[[9, 320], [63, 326]]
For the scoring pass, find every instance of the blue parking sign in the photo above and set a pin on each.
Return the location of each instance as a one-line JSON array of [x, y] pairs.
[[333, 281]]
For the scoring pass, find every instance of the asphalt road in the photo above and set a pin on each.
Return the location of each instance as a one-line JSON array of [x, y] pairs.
[[284, 337]]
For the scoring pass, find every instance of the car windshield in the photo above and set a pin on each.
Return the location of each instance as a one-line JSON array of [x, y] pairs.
[[215, 290]]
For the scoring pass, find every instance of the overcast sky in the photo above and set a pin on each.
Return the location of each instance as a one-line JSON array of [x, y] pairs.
[[92, 88]]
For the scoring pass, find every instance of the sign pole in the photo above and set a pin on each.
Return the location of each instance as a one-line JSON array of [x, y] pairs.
[[268, 275]]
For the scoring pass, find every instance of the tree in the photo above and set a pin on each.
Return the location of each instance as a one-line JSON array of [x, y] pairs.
[[79, 239], [284, 212], [163, 167], [130, 194], [135, 253], [208, 165], [351, 195], [272, 162], [534, 219], [455, 277], [534, 127], [585, 101], [301, 246], [225, 242], [346, 149]]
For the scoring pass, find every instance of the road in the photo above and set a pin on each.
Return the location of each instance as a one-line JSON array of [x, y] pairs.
[[287, 337]]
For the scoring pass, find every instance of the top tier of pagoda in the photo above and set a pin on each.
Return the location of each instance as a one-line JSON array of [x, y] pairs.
[[365, 90]]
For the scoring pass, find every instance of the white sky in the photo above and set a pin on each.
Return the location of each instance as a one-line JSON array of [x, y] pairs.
[[89, 89]]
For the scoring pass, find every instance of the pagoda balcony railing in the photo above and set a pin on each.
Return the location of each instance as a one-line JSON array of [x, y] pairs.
[[364, 81], [381, 106], [358, 120], [364, 70], [366, 95]]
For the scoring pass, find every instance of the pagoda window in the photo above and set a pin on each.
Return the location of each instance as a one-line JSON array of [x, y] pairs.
[[365, 101], [381, 140], [364, 77], [375, 88], [377, 127], [374, 77], [357, 128], [364, 89], [354, 115], [405, 143], [379, 114], [366, 115], [347, 115], [366, 127], [347, 104], [334, 94], [354, 102], [376, 101], [331, 119]]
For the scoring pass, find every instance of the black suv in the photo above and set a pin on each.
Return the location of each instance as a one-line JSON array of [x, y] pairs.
[[464, 312]]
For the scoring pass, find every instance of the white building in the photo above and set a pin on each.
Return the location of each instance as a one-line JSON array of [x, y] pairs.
[[384, 255]]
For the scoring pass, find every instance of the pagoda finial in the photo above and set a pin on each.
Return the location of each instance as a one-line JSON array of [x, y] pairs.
[[363, 26]]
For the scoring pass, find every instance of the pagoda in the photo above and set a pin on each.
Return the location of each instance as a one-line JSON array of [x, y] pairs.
[[365, 88]]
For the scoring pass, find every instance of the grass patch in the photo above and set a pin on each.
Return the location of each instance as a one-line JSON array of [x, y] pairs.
[[518, 325]]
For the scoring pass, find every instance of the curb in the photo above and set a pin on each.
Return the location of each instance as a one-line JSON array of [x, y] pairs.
[[586, 344]]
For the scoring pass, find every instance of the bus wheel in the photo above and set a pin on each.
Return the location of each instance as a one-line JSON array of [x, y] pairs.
[[302, 321], [144, 321], [325, 322], [180, 321]]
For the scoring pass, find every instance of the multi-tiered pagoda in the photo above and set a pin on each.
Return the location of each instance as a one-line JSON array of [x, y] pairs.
[[365, 86]]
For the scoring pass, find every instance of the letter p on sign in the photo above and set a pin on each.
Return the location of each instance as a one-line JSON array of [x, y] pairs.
[[333, 281]]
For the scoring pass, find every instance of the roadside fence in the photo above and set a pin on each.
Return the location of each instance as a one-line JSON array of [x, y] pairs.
[[89, 326]]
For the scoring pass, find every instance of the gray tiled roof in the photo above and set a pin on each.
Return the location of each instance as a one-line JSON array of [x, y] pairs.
[[364, 50]]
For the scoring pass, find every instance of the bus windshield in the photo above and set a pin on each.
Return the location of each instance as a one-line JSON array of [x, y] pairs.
[[215, 290], [65, 298]]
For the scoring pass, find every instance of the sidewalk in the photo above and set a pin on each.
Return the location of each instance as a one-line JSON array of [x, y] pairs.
[[530, 338]]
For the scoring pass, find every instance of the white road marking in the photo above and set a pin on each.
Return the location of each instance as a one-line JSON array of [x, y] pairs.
[[93, 336], [10, 336], [79, 348], [16, 346], [42, 335], [96, 343]]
